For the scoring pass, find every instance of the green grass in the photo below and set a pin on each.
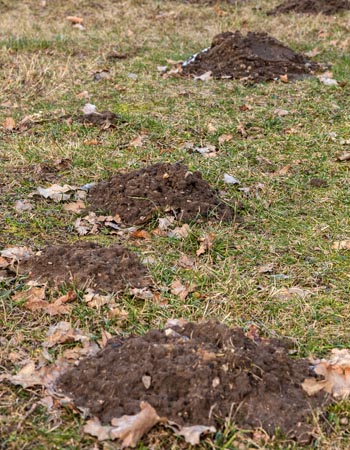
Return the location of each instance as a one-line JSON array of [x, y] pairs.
[[46, 64]]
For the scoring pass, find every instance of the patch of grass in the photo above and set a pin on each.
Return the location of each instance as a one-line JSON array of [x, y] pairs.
[[287, 222]]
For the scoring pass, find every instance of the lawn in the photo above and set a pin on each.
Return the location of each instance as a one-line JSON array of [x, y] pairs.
[[289, 221]]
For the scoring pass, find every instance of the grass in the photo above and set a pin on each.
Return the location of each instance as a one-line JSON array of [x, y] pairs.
[[46, 64]]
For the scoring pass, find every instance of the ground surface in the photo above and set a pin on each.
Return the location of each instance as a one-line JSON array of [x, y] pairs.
[[290, 221], [311, 7]]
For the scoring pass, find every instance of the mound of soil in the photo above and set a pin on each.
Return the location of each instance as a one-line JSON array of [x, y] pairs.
[[327, 7], [104, 119], [197, 374], [256, 57], [87, 264], [139, 195]]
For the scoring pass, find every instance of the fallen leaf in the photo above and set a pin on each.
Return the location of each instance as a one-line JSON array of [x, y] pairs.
[[95, 428], [341, 245], [95, 300], [284, 78], [206, 243], [137, 142], [130, 429], [59, 306], [344, 156], [144, 293], [281, 112], [288, 293], [206, 76], [89, 108], [192, 434], [180, 290], [180, 232], [336, 373], [327, 80], [56, 192], [9, 124], [314, 52], [211, 128], [4, 263], [266, 268], [165, 222], [74, 207], [208, 151], [27, 376], [229, 179], [241, 130], [225, 138], [17, 253], [74, 19], [34, 298], [23, 205], [283, 171], [63, 333], [141, 234], [186, 262]]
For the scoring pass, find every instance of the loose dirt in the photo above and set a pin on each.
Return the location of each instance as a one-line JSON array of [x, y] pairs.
[[87, 264], [197, 374], [104, 119], [137, 196], [327, 7], [256, 57]]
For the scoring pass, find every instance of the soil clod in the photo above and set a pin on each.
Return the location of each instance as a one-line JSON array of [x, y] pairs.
[[137, 196], [104, 119], [88, 265], [255, 57], [327, 7], [197, 374]]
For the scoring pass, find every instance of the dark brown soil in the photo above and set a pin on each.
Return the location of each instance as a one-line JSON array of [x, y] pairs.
[[256, 57], [104, 269], [104, 119], [199, 374], [327, 7], [139, 195]]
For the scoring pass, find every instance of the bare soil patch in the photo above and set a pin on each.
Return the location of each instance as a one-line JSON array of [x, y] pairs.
[[255, 57], [311, 7], [197, 374], [87, 264], [137, 196]]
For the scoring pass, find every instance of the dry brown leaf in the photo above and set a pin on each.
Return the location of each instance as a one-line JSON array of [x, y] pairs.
[[34, 298], [16, 253], [266, 268], [95, 428], [211, 128], [56, 192], [4, 263], [344, 156], [74, 19], [180, 232], [23, 205], [206, 76], [59, 306], [336, 373], [130, 429], [95, 300], [206, 243], [225, 138], [9, 124], [341, 245], [288, 293], [137, 142], [241, 130], [180, 290], [144, 293], [74, 207], [284, 78], [63, 333], [192, 434], [284, 171], [141, 234], [186, 262]]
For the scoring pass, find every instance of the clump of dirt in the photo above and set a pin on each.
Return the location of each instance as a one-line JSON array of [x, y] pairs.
[[327, 7], [104, 119], [256, 57], [138, 195], [87, 264], [197, 374]]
